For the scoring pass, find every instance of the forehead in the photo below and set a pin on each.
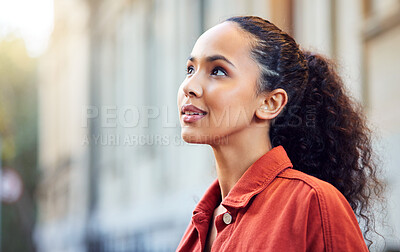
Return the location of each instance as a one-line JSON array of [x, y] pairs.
[[226, 39]]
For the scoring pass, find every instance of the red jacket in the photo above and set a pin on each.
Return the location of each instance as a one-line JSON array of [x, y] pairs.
[[275, 208]]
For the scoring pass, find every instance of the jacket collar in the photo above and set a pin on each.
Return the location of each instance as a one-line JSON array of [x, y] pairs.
[[256, 178]]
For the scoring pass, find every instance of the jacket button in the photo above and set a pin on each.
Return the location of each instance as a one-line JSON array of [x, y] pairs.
[[227, 218]]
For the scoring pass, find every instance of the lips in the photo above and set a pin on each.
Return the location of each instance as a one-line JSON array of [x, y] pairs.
[[192, 108], [192, 113]]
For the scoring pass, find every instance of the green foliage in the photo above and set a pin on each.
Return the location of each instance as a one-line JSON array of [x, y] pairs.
[[18, 131]]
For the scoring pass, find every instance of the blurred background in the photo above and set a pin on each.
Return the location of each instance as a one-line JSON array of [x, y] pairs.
[[91, 153]]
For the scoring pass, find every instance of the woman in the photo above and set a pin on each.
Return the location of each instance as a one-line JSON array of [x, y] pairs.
[[293, 153]]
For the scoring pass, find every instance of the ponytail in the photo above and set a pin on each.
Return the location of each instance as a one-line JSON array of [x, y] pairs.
[[330, 139], [321, 128]]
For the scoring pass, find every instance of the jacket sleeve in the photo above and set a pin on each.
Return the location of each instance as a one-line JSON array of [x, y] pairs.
[[331, 211]]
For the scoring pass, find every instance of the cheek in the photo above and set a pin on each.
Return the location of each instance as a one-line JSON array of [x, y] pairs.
[[218, 100], [231, 95], [231, 112]]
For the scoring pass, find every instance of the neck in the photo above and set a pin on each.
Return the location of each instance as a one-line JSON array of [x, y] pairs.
[[238, 153]]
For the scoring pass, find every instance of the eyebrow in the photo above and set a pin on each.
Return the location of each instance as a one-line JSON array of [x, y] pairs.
[[213, 58]]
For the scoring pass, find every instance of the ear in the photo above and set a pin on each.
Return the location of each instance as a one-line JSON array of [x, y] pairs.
[[272, 104]]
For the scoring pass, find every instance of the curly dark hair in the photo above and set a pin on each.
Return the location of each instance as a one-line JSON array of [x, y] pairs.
[[323, 130]]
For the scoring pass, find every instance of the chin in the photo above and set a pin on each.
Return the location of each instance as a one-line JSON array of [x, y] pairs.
[[203, 139], [194, 139]]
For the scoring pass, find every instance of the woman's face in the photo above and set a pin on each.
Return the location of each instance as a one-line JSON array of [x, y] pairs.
[[221, 80]]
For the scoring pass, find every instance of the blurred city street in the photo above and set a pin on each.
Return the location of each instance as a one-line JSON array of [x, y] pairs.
[[91, 152]]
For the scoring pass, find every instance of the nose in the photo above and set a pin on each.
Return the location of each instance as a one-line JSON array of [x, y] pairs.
[[192, 88]]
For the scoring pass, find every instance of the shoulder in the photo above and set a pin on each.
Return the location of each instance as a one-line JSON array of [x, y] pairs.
[[330, 200], [339, 223], [320, 187]]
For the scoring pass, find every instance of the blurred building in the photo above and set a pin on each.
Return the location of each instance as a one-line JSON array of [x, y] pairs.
[[115, 174]]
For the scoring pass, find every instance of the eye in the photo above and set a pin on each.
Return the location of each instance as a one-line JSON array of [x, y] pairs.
[[218, 71], [189, 70]]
